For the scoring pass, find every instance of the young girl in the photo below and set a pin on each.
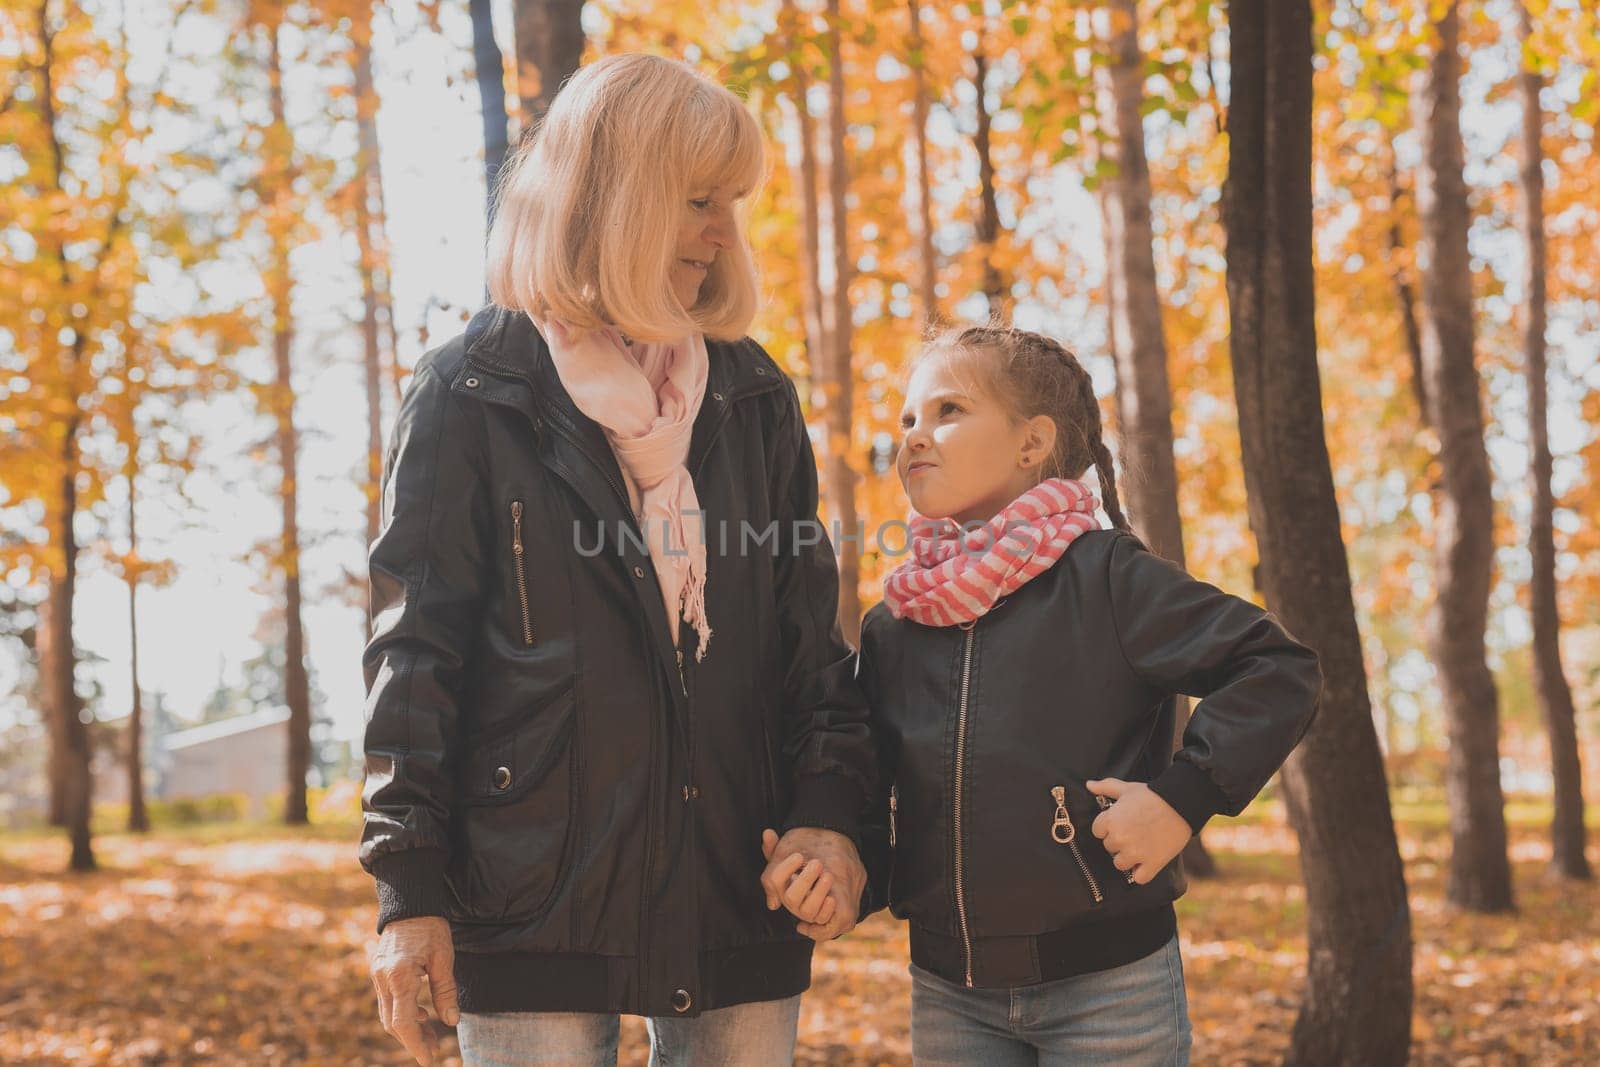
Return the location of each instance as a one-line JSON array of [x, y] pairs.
[[1021, 676], [585, 703]]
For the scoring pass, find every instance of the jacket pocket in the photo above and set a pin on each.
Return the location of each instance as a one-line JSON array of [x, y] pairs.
[[1073, 833], [519, 572], [518, 814], [1101, 887]]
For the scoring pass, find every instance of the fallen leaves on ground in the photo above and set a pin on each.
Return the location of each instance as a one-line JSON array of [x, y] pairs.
[[250, 945]]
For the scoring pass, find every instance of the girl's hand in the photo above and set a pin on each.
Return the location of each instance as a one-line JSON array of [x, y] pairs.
[[1141, 831], [803, 885]]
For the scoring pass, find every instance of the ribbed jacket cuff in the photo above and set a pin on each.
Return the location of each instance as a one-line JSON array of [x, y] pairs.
[[410, 883], [1190, 792], [827, 802]]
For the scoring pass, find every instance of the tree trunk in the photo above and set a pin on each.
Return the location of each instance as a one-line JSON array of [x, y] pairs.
[[491, 71], [56, 761], [64, 707], [1357, 1001], [814, 306], [280, 290], [927, 276], [69, 756], [369, 179], [382, 274], [72, 785], [366, 184], [1114, 339], [841, 476], [994, 286], [1405, 290], [1480, 873], [1139, 347], [138, 817], [549, 46], [1567, 833], [1149, 474], [390, 349], [77, 788]]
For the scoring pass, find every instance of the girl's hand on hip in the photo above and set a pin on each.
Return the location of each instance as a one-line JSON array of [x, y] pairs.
[[1141, 831]]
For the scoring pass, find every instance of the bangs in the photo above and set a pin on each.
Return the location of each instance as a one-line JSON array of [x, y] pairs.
[[723, 146], [973, 362]]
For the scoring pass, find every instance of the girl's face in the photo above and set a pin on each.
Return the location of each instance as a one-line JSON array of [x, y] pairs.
[[708, 227], [962, 455]]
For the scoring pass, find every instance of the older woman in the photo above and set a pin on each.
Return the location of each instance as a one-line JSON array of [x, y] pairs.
[[604, 656]]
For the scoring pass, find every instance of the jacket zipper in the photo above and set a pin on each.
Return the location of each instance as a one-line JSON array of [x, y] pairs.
[[1064, 833], [650, 813], [961, 753], [688, 702], [522, 581], [894, 810]]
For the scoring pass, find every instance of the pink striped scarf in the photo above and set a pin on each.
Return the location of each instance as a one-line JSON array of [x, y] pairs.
[[954, 577]]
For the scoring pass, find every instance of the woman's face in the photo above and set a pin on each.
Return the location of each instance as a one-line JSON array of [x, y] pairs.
[[962, 455], [708, 228]]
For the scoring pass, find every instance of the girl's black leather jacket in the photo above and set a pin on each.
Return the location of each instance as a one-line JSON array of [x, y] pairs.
[[980, 831]]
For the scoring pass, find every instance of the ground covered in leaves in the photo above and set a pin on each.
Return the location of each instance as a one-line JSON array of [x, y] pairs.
[[248, 944]]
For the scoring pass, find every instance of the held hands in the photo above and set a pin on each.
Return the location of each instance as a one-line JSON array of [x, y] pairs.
[[408, 951], [817, 875], [1141, 831]]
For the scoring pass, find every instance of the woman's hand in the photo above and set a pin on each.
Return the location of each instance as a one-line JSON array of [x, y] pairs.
[[818, 876], [408, 951], [1140, 830]]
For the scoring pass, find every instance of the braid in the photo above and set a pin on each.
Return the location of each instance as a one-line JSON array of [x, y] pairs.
[[1098, 451], [1108, 487]]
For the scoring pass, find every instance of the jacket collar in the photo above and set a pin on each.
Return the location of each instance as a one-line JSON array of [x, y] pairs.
[[504, 343], [499, 339]]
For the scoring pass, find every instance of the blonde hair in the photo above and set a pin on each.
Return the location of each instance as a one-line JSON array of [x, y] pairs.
[[588, 210]]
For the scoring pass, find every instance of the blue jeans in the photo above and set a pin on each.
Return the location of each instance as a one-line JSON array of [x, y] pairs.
[[758, 1034], [1136, 1015]]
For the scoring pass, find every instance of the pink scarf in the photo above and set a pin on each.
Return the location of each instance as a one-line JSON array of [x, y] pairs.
[[646, 396], [954, 577]]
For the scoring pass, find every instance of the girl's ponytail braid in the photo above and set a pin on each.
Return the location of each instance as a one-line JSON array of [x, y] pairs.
[[1089, 409]]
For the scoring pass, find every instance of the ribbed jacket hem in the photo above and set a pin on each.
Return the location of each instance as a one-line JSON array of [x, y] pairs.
[[563, 981], [410, 884], [827, 802], [1190, 792], [1008, 962]]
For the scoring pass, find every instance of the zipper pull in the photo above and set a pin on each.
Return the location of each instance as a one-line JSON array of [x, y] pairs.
[[522, 581], [681, 682], [1061, 828], [894, 810]]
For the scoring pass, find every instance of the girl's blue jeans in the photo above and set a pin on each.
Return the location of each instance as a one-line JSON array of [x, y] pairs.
[[1136, 1015]]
